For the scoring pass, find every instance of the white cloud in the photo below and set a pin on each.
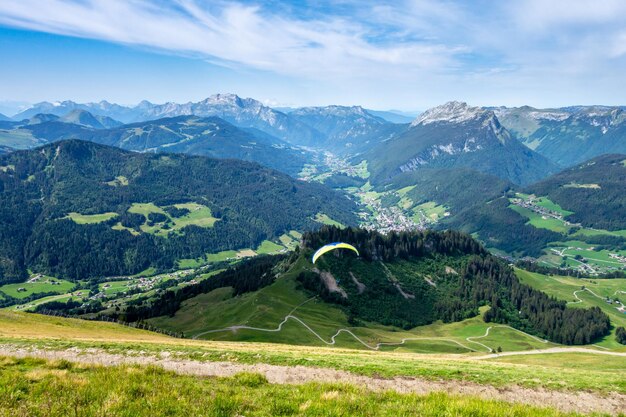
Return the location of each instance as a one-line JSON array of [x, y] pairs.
[[232, 33]]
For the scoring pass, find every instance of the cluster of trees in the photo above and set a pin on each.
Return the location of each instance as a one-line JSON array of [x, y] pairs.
[[620, 335], [528, 309], [248, 276], [72, 176], [375, 246]]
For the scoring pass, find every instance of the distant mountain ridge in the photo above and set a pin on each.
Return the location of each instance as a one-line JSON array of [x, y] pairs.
[[346, 129], [208, 136], [247, 113], [339, 127], [568, 135]]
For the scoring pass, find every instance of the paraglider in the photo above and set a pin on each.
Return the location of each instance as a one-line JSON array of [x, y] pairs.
[[333, 246]]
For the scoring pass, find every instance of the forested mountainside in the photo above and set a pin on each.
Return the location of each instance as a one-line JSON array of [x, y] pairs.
[[77, 209], [456, 135], [457, 188], [414, 278]]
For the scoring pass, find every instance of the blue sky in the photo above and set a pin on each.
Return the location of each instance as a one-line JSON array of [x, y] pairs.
[[404, 54]]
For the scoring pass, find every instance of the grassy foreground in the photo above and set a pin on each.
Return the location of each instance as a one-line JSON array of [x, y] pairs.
[[60, 388], [563, 371]]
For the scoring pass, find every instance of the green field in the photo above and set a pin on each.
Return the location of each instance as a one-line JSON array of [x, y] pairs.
[[91, 218], [546, 203], [207, 259], [31, 305], [115, 287], [324, 219], [199, 216], [431, 210], [44, 285], [593, 373], [267, 247], [593, 232], [541, 222]]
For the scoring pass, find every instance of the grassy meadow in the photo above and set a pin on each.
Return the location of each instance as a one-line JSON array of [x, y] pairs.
[[38, 387], [44, 285]]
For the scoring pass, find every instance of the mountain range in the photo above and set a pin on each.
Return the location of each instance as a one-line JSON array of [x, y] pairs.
[[209, 136], [565, 136], [470, 160]]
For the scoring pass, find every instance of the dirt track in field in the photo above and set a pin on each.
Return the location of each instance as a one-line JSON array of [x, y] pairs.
[[582, 402]]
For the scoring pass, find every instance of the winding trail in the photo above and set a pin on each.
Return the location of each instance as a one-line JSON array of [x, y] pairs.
[[551, 350], [377, 346], [592, 293]]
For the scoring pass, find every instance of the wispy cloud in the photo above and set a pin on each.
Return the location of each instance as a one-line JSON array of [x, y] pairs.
[[421, 50], [230, 32]]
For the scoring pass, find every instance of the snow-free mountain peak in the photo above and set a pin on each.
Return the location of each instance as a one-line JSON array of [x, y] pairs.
[[451, 112]]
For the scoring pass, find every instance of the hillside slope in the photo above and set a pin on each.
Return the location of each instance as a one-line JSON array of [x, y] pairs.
[[77, 209], [595, 191], [401, 280]]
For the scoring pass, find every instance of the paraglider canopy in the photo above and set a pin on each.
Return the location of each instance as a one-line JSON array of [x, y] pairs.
[[333, 246]]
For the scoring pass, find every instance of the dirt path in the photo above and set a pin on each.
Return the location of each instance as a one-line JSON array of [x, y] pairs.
[[582, 402], [553, 350]]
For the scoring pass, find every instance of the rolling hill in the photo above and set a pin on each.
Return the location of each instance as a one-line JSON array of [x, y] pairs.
[[457, 135], [84, 118], [77, 209]]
